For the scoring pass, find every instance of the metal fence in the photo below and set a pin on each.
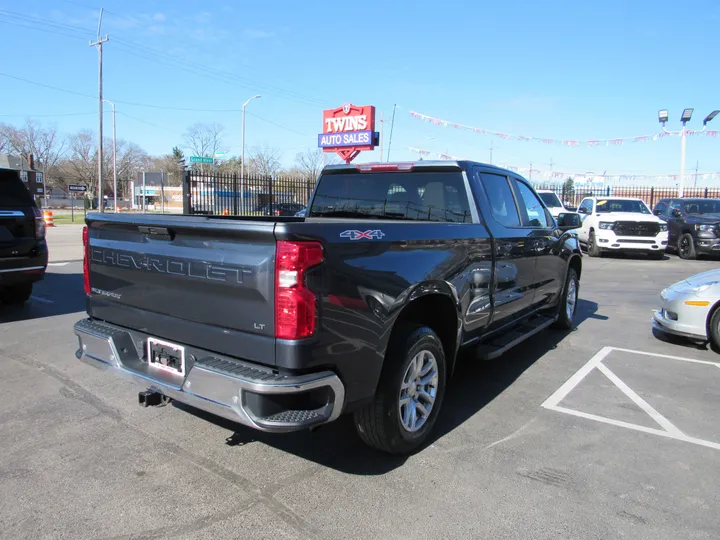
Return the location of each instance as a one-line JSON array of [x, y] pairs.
[[651, 195], [228, 194]]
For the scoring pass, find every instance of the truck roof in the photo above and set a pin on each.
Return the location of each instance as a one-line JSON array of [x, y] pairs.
[[411, 165]]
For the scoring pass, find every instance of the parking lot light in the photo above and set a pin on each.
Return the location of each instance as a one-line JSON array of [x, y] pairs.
[[685, 118], [710, 117]]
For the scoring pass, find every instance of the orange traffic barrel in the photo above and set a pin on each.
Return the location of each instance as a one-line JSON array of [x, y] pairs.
[[48, 218], [226, 212]]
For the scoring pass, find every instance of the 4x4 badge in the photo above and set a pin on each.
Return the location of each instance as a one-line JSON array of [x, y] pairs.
[[360, 235]]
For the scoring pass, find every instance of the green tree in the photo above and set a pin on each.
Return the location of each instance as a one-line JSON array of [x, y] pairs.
[[568, 192]]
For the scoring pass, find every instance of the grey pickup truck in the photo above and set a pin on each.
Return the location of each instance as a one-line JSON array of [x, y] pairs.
[[360, 307]]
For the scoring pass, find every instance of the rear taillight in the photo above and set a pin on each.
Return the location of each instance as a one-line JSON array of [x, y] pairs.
[[277, 212], [295, 304], [86, 260], [39, 224]]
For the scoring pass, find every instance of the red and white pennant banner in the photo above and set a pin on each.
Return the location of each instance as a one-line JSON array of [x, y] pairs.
[[564, 142], [544, 174]]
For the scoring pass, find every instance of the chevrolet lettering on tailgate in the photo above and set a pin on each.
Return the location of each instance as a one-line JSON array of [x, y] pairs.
[[169, 265]]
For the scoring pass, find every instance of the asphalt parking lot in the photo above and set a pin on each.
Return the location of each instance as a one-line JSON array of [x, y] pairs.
[[604, 432]]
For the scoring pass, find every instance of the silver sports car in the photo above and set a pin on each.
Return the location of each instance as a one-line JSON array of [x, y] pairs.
[[689, 308]]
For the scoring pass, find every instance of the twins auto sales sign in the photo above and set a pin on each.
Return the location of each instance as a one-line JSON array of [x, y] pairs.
[[348, 130]]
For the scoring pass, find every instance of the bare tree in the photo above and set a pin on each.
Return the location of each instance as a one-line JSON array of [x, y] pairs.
[[204, 140], [311, 162], [265, 161], [43, 143]]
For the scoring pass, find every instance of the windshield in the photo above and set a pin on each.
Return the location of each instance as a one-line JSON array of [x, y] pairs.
[[622, 205], [550, 199], [415, 196], [702, 206]]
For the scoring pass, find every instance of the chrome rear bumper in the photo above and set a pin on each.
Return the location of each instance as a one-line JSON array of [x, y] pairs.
[[253, 395]]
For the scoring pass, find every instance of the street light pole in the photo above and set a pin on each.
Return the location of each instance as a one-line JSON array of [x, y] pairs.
[[114, 156], [99, 44], [685, 118], [242, 159]]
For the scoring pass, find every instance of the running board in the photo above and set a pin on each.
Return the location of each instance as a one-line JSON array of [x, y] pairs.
[[493, 349]]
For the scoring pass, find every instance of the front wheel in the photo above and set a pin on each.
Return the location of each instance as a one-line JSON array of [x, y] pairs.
[[568, 302], [17, 294], [592, 247], [686, 247], [714, 330], [409, 394]]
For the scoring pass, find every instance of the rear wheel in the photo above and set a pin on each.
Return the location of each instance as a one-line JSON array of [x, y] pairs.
[[592, 247], [686, 247], [568, 302], [409, 394], [17, 294]]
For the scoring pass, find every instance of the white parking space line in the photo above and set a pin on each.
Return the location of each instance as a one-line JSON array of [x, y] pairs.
[[42, 300], [640, 402], [670, 431], [573, 381], [682, 359]]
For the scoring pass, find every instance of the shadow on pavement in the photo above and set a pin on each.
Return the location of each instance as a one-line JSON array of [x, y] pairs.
[[57, 294], [474, 385]]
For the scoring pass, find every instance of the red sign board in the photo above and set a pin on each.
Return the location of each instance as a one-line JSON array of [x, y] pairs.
[[348, 130]]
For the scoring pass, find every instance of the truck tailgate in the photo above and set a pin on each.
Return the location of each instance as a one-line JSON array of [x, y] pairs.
[[186, 279]]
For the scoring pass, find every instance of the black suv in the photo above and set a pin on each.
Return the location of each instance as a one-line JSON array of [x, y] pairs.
[[693, 225], [23, 251]]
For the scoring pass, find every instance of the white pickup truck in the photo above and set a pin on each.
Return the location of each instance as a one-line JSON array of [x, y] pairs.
[[621, 224], [552, 202]]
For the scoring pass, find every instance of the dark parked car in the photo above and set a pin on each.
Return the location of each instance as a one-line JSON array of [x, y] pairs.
[[693, 225], [360, 307], [23, 251], [282, 209]]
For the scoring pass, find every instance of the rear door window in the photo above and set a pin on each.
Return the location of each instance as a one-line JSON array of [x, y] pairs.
[[414, 196], [13, 193], [502, 201]]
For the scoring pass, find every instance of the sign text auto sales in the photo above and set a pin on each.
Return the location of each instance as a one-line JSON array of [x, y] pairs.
[[348, 130]]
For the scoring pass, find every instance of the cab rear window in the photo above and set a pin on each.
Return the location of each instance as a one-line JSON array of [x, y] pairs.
[[13, 192], [412, 196]]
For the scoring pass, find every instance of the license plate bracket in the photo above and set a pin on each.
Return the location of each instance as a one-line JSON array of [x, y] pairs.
[[166, 356]]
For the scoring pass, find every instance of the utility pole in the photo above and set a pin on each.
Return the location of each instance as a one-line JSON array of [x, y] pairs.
[[115, 206], [697, 166], [99, 44], [392, 125], [382, 133], [491, 151]]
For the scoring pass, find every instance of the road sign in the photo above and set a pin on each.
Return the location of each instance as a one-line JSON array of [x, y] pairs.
[[201, 160], [77, 188]]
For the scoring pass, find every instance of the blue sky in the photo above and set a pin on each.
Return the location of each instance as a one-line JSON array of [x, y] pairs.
[[555, 69]]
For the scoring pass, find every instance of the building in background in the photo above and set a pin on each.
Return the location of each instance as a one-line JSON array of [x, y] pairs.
[[32, 178]]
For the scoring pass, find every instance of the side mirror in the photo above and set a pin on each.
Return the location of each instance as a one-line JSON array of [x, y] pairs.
[[568, 221], [657, 212], [676, 212], [582, 211]]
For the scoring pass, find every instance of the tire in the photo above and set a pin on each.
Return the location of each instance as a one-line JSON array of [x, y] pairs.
[[656, 255], [592, 248], [571, 291], [17, 294], [380, 424], [686, 247], [714, 330]]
